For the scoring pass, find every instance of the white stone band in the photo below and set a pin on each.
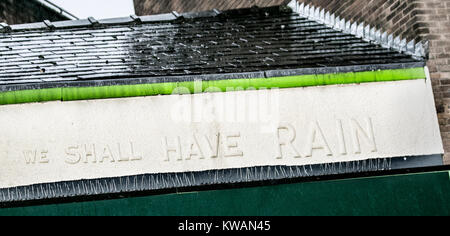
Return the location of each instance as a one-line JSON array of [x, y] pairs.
[[62, 141]]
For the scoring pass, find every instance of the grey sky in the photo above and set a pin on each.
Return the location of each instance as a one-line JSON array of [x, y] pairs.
[[99, 9]]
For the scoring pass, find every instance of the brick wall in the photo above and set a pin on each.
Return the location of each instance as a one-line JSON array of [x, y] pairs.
[[149, 7], [434, 19], [26, 11]]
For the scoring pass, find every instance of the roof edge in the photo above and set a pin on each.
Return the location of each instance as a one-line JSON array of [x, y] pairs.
[[52, 6], [127, 79], [150, 87], [91, 21], [362, 30]]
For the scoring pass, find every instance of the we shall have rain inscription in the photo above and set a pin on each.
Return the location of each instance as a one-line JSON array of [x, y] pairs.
[[63, 141], [224, 144]]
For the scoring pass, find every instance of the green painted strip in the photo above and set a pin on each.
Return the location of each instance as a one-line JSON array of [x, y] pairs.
[[85, 93], [414, 194], [28, 96]]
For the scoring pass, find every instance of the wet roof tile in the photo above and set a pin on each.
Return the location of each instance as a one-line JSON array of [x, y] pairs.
[[236, 41]]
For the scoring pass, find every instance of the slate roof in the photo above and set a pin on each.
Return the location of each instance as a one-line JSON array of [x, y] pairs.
[[67, 53]]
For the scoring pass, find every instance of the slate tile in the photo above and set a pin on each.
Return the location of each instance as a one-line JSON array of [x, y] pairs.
[[164, 45]]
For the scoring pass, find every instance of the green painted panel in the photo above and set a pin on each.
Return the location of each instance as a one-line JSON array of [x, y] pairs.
[[415, 194], [84, 93]]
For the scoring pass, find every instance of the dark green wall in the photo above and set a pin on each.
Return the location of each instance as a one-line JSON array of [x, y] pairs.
[[417, 194]]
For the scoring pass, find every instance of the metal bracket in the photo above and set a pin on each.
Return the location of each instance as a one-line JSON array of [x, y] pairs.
[[93, 21]]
